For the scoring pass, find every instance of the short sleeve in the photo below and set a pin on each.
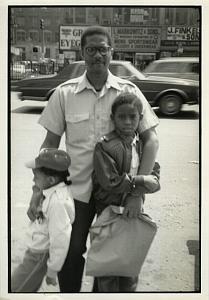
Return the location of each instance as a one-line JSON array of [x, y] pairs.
[[149, 120], [53, 116]]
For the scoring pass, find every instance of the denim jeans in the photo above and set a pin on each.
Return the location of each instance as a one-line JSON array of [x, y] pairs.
[[70, 277]]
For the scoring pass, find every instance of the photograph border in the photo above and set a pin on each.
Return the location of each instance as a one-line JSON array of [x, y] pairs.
[[6, 164]]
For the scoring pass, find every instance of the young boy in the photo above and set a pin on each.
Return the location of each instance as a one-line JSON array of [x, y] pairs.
[[116, 164], [50, 232]]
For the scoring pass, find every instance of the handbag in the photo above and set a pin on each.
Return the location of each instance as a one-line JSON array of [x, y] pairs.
[[119, 246]]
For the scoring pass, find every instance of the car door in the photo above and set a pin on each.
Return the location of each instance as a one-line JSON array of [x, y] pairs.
[[37, 88], [148, 88]]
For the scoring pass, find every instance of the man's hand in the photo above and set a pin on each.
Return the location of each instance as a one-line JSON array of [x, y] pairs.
[[34, 203], [133, 206], [50, 280]]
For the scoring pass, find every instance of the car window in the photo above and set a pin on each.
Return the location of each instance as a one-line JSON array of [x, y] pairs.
[[170, 67], [72, 70], [119, 70], [195, 68], [81, 69]]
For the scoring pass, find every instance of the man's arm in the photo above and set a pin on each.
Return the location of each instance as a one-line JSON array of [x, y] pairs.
[[51, 140], [150, 148]]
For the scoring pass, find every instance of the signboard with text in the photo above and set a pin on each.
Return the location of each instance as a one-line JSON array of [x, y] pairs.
[[70, 37], [136, 39], [175, 43], [182, 33]]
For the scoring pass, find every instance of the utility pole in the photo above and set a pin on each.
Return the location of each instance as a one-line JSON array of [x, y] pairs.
[[42, 40]]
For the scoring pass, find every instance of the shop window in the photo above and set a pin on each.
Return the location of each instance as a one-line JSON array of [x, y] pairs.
[[168, 15], [33, 21], [80, 15], [20, 21], [181, 16], [47, 36], [47, 22], [126, 15], [21, 35], [138, 15], [47, 53], [34, 36], [93, 16], [106, 16], [68, 16], [117, 16]]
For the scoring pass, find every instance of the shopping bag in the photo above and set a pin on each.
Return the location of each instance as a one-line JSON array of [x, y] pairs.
[[119, 246]]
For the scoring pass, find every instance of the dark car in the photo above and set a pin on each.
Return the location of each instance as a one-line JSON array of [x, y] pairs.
[[166, 93]]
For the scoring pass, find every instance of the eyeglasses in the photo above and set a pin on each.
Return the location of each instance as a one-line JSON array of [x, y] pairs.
[[104, 50]]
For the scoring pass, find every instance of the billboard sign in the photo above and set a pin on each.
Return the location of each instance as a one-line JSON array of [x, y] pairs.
[[70, 37], [136, 39], [182, 33]]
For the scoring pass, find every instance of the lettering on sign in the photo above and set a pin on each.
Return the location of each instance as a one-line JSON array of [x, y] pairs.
[[70, 37], [136, 39], [186, 33]]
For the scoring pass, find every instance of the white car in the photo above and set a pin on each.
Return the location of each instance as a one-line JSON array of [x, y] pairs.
[[178, 67]]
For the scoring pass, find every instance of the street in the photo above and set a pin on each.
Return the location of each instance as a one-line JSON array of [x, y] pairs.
[[175, 208]]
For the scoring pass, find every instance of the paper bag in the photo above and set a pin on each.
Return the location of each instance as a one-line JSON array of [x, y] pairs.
[[119, 246]]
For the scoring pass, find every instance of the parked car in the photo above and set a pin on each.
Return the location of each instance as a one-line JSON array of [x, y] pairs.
[[179, 67], [166, 93]]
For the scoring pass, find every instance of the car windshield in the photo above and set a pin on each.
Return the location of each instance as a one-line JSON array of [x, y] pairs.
[[125, 70], [72, 70], [168, 67]]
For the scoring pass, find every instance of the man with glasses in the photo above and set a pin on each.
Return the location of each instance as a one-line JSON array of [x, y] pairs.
[[81, 107]]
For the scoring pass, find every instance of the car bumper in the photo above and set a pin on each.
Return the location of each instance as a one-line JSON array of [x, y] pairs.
[[32, 98]]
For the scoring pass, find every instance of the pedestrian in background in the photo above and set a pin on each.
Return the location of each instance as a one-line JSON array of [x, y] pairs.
[[80, 108], [51, 230], [115, 178]]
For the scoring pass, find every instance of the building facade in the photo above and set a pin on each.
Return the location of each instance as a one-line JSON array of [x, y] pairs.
[[139, 34]]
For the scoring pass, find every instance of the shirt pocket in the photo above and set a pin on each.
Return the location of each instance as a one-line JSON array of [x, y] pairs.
[[78, 127], [107, 124]]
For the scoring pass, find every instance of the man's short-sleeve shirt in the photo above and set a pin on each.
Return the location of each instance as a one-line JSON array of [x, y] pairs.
[[83, 114]]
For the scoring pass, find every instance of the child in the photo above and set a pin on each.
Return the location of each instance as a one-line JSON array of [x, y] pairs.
[[116, 164], [50, 232]]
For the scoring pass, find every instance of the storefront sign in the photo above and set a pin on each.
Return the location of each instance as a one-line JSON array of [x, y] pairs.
[[70, 37], [185, 33], [137, 39], [175, 43]]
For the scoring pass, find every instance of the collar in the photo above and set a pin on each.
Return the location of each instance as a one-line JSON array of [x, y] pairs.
[[48, 192], [128, 139], [136, 139], [83, 83]]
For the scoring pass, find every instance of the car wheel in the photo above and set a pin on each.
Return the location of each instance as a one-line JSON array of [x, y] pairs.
[[170, 104]]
